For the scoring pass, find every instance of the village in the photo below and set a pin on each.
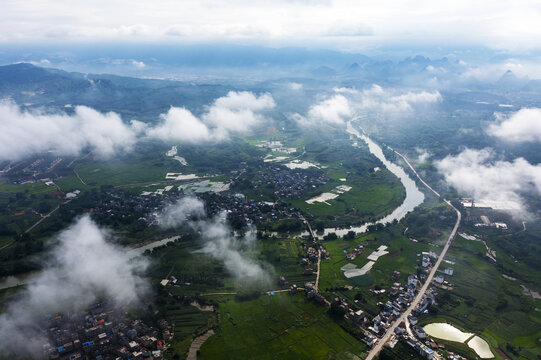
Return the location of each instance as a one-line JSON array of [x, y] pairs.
[[287, 183], [400, 298], [103, 332]]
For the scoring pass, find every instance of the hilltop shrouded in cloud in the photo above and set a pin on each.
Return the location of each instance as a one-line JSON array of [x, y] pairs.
[[218, 240], [24, 133], [522, 126], [477, 173], [82, 266]]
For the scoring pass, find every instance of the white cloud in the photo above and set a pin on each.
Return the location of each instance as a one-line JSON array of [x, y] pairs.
[[345, 90], [346, 102], [179, 124], [333, 110], [217, 239], [423, 155], [138, 64], [477, 173], [390, 103], [181, 212], [82, 266], [497, 24], [522, 126], [26, 132], [23, 133], [234, 113], [238, 111], [295, 86]]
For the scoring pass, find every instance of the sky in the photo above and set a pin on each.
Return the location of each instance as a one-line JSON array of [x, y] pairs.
[[348, 25]]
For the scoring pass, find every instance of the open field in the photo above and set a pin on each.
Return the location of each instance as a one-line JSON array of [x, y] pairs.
[[278, 327], [372, 196]]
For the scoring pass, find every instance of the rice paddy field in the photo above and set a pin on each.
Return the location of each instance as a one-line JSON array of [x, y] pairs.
[[278, 327]]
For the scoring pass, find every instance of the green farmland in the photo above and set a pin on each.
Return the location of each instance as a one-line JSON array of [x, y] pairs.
[[278, 327]]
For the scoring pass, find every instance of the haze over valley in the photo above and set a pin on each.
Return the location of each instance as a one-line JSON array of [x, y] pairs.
[[302, 179]]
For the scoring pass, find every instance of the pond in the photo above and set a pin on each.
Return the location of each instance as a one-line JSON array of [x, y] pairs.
[[448, 332]]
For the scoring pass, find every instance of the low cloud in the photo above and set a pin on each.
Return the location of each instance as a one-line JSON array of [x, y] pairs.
[[422, 155], [27, 132], [182, 212], [294, 86], [345, 90], [234, 113], [138, 64], [522, 126], [389, 103], [179, 124], [334, 111], [23, 133], [479, 174], [218, 239], [82, 266], [238, 111], [348, 102]]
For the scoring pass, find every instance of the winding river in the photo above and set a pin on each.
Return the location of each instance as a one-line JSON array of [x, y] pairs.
[[414, 196]]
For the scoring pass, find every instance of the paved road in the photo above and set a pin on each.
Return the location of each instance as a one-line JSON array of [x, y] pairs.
[[390, 331], [43, 218], [415, 172], [318, 267], [318, 252]]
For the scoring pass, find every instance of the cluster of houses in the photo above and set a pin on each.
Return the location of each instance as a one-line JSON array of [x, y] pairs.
[[43, 168], [356, 252], [427, 258], [312, 293], [103, 332], [245, 210], [288, 183], [126, 207], [423, 350], [401, 298], [312, 255]]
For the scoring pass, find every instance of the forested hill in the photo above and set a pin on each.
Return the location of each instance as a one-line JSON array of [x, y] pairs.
[[32, 86]]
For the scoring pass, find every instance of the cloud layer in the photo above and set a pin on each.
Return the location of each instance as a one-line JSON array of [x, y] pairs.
[[83, 265], [479, 174], [218, 239], [522, 126], [23, 133], [345, 24]]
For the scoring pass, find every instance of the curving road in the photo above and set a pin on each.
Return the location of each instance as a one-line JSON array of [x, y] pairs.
[[390, 331]]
